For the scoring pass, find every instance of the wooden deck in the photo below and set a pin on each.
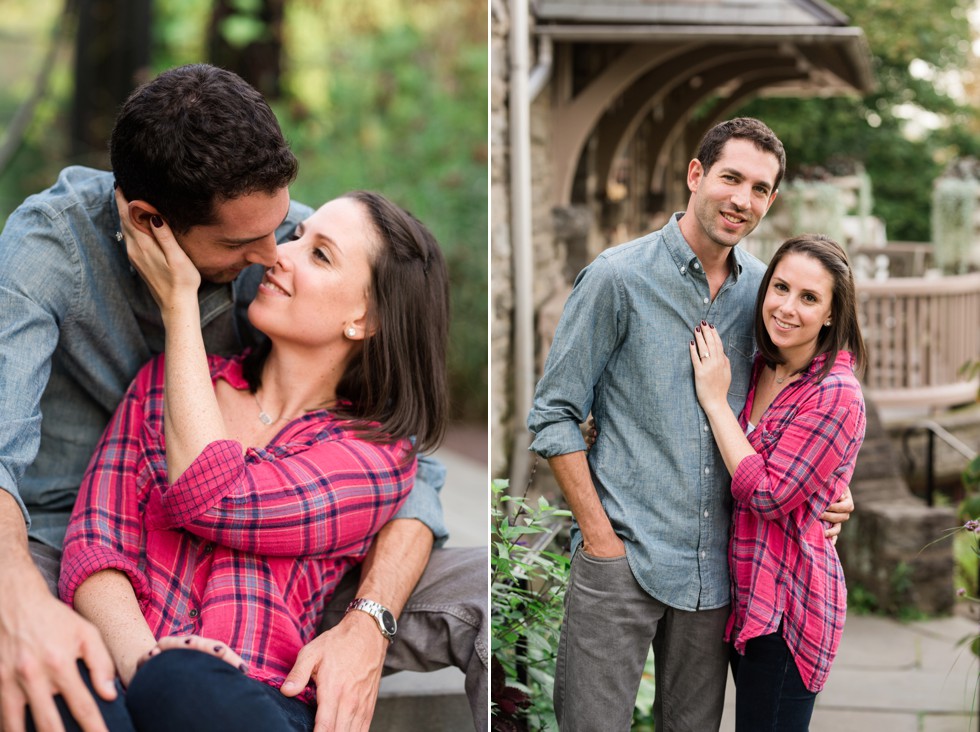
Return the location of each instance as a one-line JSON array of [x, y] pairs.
[[920, 332]]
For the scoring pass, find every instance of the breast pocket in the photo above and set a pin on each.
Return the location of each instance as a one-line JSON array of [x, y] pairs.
[[739, 350]]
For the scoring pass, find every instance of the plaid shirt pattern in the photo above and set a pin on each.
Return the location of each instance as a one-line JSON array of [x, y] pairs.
[[242, 548], [784, 571]]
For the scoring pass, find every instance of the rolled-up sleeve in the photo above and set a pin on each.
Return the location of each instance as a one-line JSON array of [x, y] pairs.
[[326, 499], [423, 503], [591, 326]]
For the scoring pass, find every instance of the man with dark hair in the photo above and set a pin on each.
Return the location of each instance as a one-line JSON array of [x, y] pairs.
[[200, 148], [651, 499]]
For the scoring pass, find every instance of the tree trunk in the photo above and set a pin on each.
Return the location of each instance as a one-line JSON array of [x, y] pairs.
[[255, 56], [111, 58]]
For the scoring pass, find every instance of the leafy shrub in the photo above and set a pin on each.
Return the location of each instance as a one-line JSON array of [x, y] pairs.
[[527, 585]]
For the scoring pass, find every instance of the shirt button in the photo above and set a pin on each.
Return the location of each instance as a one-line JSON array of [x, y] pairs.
[[706, 301], [705, 428], [194, 613], [683, 270], [707, 471], [703, 555], [208, 548], [706, 513], [697, 266]]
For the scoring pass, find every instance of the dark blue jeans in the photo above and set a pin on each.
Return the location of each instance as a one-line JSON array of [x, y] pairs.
[[769, 691], [190, 691]]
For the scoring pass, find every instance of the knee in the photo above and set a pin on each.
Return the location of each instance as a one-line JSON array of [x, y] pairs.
[[170, 688], [457, 581]]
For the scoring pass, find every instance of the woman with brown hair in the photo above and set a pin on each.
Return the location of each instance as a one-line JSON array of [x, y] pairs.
[[791, 453], [228, 496]]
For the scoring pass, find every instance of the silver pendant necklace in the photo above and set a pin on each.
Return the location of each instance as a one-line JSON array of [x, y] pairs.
[[267, 419], [264, 417], [778, 380]]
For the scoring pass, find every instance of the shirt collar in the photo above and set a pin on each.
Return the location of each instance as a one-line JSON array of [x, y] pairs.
[[684, 257]]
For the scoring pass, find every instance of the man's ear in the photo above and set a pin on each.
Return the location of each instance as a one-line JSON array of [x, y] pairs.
[[140, 213], [772, 198], [695, 171]]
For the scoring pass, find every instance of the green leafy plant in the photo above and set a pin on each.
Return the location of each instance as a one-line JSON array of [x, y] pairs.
[[969, 554], [527, 583]]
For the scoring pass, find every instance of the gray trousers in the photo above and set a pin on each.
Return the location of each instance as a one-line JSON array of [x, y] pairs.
[[443, 624], [609, 626]]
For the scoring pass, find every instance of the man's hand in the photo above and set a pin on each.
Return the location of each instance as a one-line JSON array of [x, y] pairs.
[[346, 663], [41, 640], [837, 513]]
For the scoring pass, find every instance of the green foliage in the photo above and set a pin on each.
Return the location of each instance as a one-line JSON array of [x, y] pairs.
[[902, 582], [643, 711], [388, 95], [861, 601], [406, 121], [875, 130], [527, 581]]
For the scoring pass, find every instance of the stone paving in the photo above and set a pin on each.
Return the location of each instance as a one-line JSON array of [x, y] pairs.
[[435, 702], [891, 676]]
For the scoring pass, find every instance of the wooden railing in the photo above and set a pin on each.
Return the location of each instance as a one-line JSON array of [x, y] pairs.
[[920, 332]]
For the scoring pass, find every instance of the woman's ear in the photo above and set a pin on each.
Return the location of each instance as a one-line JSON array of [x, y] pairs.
[[362, 327]]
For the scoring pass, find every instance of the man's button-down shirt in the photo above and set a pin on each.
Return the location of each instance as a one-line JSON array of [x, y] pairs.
[[621, 352]]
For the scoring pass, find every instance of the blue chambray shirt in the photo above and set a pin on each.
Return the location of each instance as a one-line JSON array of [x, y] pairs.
[[76, 323], [621, 351]]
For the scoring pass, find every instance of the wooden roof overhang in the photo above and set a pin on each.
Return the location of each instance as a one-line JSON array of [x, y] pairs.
[[668, 59]]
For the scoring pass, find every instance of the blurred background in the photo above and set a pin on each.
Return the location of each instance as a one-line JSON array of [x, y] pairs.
[[388, 95]]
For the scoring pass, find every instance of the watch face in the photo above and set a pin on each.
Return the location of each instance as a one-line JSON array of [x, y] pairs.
[[389, 622]]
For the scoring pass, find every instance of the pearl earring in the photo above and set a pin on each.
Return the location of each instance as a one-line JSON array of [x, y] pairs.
[[351, 332], [827, 324]]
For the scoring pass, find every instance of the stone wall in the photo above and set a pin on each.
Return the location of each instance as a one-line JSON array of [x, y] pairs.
[[501, 287], [549, 254], [889, 548], [963, 423]]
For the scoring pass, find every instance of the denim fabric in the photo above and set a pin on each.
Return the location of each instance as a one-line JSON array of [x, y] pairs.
[[608, 627], [76, 323], [770, 695], [190, 691], [114, 713], [444, 623], [621, 351]]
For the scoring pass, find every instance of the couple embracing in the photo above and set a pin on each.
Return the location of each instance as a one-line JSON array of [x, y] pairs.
[[729, 416]]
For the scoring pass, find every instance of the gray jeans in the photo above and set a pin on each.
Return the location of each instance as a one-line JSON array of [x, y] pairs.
[[443, 624], [609, 626]]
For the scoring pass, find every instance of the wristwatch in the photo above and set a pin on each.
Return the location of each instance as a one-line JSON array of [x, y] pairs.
[[386, 621]]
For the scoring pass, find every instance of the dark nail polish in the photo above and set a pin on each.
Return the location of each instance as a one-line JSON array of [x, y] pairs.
[[712, 327], [697, 329], [692, 343], [704, 322], [218, 649], [188, 641], [243, 668], [156, 221]]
